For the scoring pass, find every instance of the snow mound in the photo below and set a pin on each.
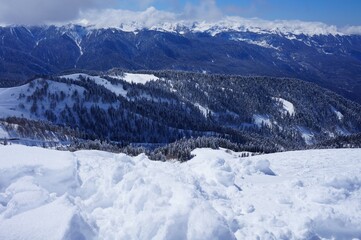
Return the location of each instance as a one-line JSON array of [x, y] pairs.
[[34, 203], [263, 166], [48, 194]]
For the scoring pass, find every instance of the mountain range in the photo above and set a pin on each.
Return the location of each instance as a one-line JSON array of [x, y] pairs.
[[160, 107], [161, 128], [315, 53]]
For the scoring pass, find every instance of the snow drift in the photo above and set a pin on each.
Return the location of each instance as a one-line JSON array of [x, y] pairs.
[[48, 194]]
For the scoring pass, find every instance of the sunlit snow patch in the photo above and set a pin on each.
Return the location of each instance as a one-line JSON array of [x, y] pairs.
[[137, 78], [338, 113], [9, 101], [3, 133], [307, 135], [115, 88], [203, 110], [262, 43], [288, 107], [262, 120]]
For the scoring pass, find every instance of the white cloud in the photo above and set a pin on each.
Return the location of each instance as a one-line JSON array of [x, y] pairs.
[[350, 30], [98, 14], [44, 11], [167, 21], [32, 12], [206, 10], [126, 19]]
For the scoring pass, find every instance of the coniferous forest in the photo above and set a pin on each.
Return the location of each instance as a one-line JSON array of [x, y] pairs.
[[257, 114]]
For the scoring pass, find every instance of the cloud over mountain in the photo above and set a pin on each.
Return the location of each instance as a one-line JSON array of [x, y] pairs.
[[112, 13]]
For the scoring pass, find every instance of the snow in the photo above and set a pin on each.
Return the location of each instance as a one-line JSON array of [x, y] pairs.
[[117, 89], [136, 78], [307, 135], [48, 194], [204, 110], [154, 19], [287, 106], [139, 78], [262, 43], [9, 101], [3, 133], [338, 113], [75, 76], [59, 216], [260, 120], [342, 131]]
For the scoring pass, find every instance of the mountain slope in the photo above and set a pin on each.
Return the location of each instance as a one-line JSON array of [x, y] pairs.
[[161, 107], [330, 59]]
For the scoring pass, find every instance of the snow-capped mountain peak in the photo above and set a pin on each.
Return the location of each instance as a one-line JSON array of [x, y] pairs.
[[154, 19]]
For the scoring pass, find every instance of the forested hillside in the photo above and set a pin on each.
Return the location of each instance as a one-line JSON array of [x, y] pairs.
[[162, 107]]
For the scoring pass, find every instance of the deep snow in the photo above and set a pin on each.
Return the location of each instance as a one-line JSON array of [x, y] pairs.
[[48, 194]]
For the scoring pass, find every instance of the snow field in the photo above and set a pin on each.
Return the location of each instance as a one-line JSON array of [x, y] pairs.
[[139, 78], [48, 194], [117, 89], [9, 101]]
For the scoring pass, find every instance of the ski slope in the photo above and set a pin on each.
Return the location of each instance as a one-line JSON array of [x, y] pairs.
[[48, 194]]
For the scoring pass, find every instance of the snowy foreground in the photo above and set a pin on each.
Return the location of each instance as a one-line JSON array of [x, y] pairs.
[[47, 194]]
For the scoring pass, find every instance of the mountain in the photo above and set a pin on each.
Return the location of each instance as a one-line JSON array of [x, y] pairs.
[[314, 53], [263, 113]]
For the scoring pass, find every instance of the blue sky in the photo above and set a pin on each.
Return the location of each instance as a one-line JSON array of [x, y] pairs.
[[337, 12]]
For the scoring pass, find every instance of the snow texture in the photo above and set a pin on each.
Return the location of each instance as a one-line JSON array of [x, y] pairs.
[[48, 194], [262, 43], [338, 113], [139, 78], [288, 107], [3, 133], [9, 101], [115, 88], [118, 89]]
